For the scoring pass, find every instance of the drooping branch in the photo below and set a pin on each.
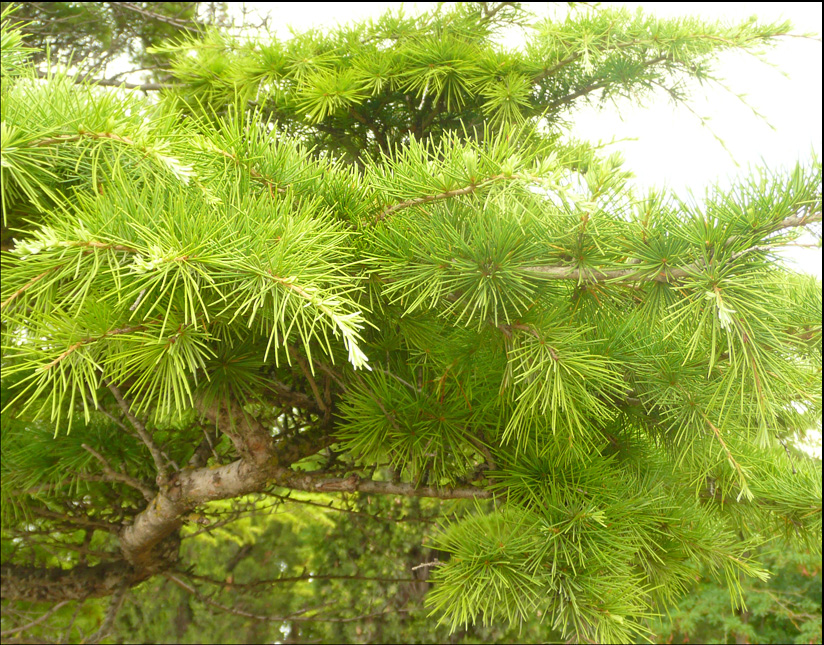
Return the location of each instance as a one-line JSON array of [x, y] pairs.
[[74, 521], [238, 612]]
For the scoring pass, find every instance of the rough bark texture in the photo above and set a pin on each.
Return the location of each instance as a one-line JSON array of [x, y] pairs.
[[150, 544], [36, 584]]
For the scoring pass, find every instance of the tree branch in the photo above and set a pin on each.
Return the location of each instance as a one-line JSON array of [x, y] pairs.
[[250, 438], [74, 522], [307, 373], [318, 482], [330, 507], [471, 188], [293, 579], [35, 584], [292, 398], [156, 16], [646, 275], [571, 97], [35, 622], [30, 283], [142, 541], [489, 14], [204, 450], [114, 475], [145, 437], [115, 603], [237, 612], [111, 82]]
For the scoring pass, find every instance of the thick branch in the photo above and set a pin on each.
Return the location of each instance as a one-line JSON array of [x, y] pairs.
[[188, 489], [36, 584], [798, 220]]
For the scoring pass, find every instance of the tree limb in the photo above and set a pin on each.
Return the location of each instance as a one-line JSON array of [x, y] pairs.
[[35, 622], [317, 482], [145, 437], [330, 507], [115, 603], [114, 475], [638, 274], [292, 579]]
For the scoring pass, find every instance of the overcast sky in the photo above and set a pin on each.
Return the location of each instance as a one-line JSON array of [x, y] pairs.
[[669, 146]]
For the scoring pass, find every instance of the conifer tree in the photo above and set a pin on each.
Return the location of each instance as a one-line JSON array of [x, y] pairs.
[[369, 262]]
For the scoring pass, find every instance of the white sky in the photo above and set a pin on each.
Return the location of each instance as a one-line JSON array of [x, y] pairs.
[[669, 146]]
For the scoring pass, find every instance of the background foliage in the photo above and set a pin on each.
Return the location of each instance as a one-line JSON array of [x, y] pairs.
[[341, 337]]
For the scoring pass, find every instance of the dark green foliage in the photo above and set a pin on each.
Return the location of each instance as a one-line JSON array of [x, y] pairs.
[[365, 267], [785, 609]]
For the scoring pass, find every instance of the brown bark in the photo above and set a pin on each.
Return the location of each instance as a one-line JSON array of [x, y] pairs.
[[36, 584], [149, 545]]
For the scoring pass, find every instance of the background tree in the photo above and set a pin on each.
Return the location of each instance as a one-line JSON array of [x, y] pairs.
[[92, 35], [785, 609], [366, 262]]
